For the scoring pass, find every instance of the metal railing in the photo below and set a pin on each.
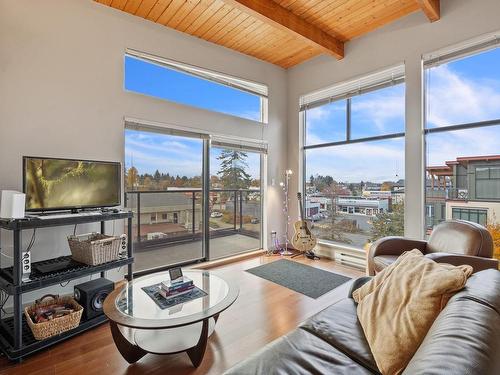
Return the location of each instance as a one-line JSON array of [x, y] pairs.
[[169, 217], [448, 193], [457, 194]]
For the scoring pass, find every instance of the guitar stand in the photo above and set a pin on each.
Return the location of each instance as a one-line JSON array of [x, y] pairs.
[[307, 254]]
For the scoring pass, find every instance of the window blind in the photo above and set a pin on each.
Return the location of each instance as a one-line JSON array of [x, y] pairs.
[[375, 81], [239, 144], [470, 47], [143, 125], [223, 79], [245, 144]]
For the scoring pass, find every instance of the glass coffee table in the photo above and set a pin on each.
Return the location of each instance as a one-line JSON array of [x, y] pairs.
[[139, 326]]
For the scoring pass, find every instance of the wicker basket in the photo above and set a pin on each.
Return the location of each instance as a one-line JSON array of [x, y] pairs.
[[44, 330], [94, 248]]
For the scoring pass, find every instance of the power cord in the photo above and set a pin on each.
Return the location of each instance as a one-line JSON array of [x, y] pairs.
[[4, 296], [32, 241], [1, 253], [30, 246]]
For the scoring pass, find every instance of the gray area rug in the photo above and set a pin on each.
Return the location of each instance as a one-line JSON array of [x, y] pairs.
[[310, 281]]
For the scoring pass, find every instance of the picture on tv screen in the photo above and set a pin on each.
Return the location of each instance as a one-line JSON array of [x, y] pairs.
[[51, 184]]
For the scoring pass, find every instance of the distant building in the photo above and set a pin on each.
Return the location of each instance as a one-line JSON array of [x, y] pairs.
[[467, 188], [325, 203], [377, 194], [362, 205], [311, 208], [167, 208]]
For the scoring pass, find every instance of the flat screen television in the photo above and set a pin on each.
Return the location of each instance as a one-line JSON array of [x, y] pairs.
[[52, 184]]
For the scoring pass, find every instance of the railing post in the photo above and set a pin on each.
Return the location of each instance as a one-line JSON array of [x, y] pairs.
[[235, 203], [138, 216], [241, 210], [193, 215]]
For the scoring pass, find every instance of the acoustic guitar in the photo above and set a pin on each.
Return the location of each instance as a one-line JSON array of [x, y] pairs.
[[303, 240]]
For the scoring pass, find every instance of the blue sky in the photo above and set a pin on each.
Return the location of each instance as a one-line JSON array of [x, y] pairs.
[[175, 155], [466, 90], [462, 91], [160, 82]]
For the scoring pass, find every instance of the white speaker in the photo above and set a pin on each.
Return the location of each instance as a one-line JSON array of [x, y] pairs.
[[12, 204]]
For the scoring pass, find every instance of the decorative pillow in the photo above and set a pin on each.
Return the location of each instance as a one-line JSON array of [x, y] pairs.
[[398, 306]]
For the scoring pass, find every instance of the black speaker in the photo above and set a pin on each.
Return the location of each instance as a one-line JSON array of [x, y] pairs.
[[91, 296]]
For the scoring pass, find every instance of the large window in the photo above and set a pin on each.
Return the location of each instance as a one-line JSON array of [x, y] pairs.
[[235, 200], [470, 214], [354, 159], [165, 79], [462, 95], [163, 181], [186, 208]]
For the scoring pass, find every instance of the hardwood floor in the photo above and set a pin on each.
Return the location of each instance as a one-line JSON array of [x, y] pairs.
[[263, 312]]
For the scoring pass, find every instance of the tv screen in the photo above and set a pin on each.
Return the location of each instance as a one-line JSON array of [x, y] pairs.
[[63, 184]]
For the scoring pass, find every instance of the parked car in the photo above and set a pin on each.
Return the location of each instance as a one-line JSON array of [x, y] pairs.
[[255, 220], [316, 217], [216, 214]]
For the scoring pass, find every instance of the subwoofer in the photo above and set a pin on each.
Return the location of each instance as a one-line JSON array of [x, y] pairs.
[[91, 296]]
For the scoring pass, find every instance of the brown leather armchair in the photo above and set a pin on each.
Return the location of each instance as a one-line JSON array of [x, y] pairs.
[[454, 242]]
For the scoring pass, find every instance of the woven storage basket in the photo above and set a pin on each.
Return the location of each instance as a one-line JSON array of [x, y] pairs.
[[44, 330], [94, 248]]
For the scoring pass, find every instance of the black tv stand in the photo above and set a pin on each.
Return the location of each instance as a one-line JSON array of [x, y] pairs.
[[16, 339]]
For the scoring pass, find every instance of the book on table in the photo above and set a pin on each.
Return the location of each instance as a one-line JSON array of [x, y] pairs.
[[176, 293], [168, 286]]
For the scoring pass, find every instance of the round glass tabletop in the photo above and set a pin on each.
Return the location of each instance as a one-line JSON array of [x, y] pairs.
[[138, 304]]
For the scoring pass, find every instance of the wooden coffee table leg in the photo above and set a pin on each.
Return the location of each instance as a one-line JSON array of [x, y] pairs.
[[197, 352], [132, 353]]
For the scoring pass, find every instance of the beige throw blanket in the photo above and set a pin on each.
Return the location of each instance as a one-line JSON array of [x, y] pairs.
[[398, 306]]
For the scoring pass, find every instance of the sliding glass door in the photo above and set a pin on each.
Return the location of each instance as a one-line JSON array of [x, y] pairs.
[[235, 202], [164, 189], [193, 199]]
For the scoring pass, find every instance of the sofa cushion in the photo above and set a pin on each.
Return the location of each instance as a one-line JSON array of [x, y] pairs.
[[464, 339], [398, 306], [483, 287], [338, 325], [298, 353]]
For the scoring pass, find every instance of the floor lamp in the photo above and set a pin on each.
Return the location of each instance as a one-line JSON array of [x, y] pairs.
[[285, 185]]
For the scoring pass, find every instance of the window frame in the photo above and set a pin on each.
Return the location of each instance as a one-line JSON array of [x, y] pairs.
[[430, 61], [260, 90], [349, 140], [470, 210], [348, 124]]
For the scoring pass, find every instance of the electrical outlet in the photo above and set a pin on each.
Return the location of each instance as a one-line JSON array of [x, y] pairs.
[[26, 265]]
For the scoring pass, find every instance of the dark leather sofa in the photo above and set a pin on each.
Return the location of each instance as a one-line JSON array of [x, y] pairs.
[[454, 241], [464, 339]]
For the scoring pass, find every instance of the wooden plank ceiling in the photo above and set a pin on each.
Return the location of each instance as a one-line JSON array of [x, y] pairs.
[[282, 32]]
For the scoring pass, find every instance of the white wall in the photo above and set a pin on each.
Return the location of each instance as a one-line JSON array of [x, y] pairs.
[[402, 41], [61, 93]]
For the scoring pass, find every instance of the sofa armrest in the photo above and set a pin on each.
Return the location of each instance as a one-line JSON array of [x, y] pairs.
[[358, 283], [392, 246], [477, 263]]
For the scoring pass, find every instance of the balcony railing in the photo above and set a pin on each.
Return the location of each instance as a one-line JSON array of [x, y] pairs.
[[448, 193], [457, 194], [168, 217]]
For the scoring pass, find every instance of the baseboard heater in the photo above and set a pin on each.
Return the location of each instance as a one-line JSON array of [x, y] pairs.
[[348, 258]]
